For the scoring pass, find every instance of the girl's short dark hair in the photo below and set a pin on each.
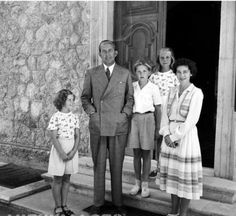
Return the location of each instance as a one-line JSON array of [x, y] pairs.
[[61, 98], [186, 62], [146, 62]]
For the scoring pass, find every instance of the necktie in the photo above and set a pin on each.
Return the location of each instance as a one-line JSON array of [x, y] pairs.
[[108, 74]]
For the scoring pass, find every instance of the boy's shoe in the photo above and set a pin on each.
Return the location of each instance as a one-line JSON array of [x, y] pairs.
[[145, 190], [58, 211], [153, 174], [136, 188]]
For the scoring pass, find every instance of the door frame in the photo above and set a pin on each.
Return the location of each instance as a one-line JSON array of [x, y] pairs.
[[225, 144]]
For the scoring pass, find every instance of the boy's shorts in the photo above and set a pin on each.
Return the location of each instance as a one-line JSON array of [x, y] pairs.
[[142, 131]]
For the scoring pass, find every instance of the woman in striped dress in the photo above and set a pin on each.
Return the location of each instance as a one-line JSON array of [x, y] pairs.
[[180, 161]]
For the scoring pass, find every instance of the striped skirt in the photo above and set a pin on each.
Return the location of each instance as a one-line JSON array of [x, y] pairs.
[[181, 167]]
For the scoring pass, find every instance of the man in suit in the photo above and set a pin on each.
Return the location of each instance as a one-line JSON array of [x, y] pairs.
[[107, 98]]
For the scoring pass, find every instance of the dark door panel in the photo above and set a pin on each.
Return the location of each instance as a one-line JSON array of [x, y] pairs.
[[137, 30]]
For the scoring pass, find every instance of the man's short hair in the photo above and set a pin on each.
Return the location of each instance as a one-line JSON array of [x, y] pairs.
[[107, 42]]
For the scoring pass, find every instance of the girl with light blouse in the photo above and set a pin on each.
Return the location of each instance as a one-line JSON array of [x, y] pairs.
[[63, 160]]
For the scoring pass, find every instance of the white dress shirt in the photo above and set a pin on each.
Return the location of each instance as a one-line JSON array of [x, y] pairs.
[[146, 98], [110, 68]]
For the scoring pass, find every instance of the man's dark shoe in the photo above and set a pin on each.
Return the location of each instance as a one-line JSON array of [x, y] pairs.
[[95, 210], [121, 211]]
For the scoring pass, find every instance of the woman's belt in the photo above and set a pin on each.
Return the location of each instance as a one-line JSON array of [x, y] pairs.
[[177, 121]]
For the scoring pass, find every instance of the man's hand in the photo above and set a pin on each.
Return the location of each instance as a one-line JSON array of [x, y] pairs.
[[90, 114]]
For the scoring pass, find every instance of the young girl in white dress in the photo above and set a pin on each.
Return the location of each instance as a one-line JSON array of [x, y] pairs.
[[63, 160], [165, 79]]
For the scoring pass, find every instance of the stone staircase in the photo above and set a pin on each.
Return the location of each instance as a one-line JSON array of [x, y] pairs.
[[219, 195]]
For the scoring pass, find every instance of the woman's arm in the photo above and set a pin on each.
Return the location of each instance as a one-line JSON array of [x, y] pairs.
[[164, 127]]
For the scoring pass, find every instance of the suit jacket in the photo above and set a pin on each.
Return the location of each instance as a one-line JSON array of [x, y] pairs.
[[111, 101]]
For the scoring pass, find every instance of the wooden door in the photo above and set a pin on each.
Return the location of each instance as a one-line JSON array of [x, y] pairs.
[[139, 30]]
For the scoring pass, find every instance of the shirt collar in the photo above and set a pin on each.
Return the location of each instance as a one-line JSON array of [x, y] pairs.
[[191, 86], [110, 67], [165, 73], [136, 84]]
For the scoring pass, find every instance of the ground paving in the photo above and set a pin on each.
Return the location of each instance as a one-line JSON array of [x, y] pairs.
[[38, 197], [43, 202]]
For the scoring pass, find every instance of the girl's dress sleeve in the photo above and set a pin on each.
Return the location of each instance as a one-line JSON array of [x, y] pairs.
[[53, 123], [192, 118], [151, 78], [176, 81]]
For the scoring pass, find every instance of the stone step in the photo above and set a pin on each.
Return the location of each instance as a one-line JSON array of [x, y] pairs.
[[216, 189], [159, 202], [7, 195]]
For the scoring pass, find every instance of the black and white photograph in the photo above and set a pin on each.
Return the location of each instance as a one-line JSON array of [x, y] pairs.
[[117, 108]]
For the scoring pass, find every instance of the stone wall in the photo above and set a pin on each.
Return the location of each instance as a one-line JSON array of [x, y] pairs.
[[44, 47]]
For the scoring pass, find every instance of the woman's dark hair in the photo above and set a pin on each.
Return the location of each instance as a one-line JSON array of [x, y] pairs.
[[61, 98], [186, 62]]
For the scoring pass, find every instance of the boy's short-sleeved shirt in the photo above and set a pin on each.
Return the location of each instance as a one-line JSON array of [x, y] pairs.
[[165, 81], [64, 123], [146, 98]]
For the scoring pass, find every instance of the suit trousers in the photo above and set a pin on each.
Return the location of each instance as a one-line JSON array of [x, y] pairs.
[[115, 146]]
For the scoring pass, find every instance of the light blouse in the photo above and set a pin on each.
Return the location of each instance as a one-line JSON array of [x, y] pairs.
[[146, 98], [184, 125], [64, 123], [165, 81]]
